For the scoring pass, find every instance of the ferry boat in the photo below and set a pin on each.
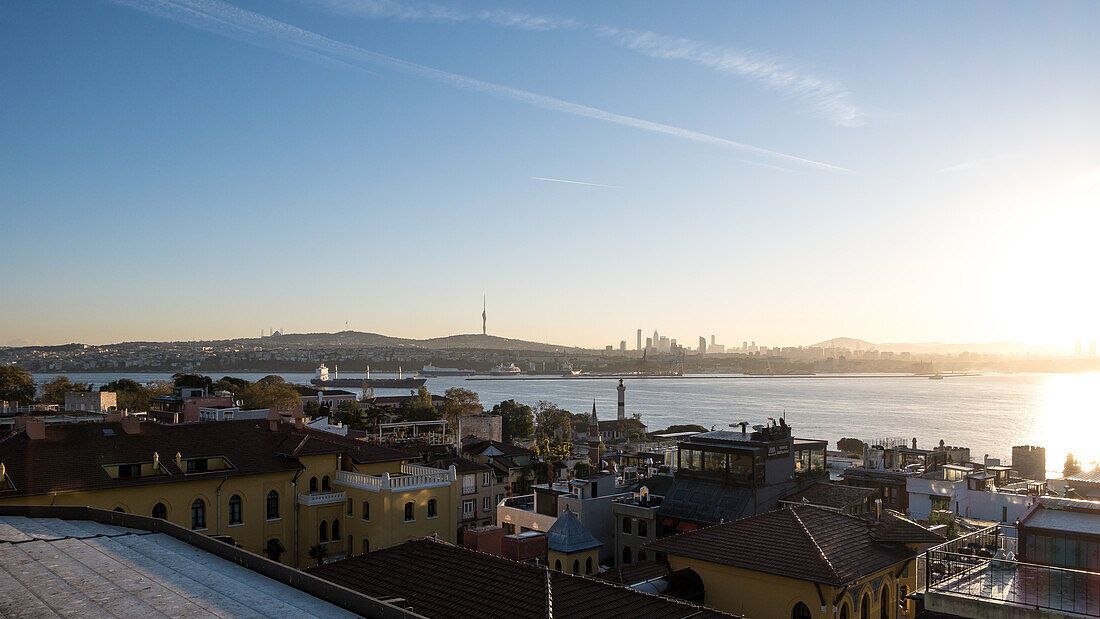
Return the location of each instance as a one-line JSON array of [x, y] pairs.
[[324, 380], [430, 370], [505, 370]]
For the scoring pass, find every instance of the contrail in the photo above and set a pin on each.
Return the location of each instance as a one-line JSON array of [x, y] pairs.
[[562, 180], [227, 19]]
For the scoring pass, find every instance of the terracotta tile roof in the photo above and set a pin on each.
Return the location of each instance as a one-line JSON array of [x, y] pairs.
[[831, 495], [51, 464], [442, 580], [462, 465], [803, 542], [640, 571], [479, 446]]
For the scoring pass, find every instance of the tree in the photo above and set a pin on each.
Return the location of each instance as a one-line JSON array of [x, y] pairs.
[[270, 392], [197, 381], [348, 413], [318, 552], [129, 395], [53, 392], [231, 384], [460, 402], [517, 420], [16, 385], [418, 407], [852, 446], [374, 415], [552, 423], [274, 549], [683, 427]]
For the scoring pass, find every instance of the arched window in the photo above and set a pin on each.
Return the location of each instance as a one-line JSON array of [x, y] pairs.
[[626, 524], [884, 603], [626, 555], [801, 611], [335, 529], [641, 555], [844, 611], [366, 510], [643, 528], [588, 565], [408, 511], [432, 512], [160, 511], [272, 505], [366, 545], [557, 565], [235, 509], [865, 607], [323, 534], [198, 514], [325, 487], [351, 508], [312, 485], [576, 566]]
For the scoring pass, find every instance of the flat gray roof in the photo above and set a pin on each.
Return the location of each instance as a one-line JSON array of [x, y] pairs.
[[53, 567]]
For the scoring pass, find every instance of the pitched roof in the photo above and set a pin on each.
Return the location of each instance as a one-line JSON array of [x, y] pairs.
[[568, 534], [835, 496], [803, 542], [438, 579], [251, 447], [1088, 477], [462, 465], [479, 446]]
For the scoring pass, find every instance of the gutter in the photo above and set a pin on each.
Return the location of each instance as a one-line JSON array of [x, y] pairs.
[[294, 498], [218, 499]]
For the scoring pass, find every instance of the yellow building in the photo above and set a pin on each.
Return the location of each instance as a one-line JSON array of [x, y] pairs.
[[802, 561], [570, 547], [265, 484]]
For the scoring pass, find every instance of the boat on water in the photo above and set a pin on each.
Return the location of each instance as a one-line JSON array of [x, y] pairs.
[[430, 370], [936, 376], [506, 370], [323, 379]]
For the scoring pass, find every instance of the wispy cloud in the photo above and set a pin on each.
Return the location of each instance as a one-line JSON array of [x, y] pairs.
[[563, 180], [824, 98], [970, 165], [233, 21]]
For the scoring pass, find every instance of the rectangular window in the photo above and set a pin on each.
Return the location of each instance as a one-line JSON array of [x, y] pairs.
[[196, 466], [127, 471], [485, 503], [469, 484], [486, 479], [468, 509]]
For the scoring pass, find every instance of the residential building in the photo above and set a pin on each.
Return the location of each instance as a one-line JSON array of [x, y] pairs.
[[1047, 566], [255, 482], [479, 492], [441, 580], [90, 401], [845, 499], [887, 465], [986, 494], [324, 397], [803, 561], [514, 465], [635, 524], [80, 561], [1086, 484], [726, 475]]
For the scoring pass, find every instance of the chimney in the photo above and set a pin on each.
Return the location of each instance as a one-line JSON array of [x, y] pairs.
[[914, 442], [878, 510], [273, 425], [131, 424], [35, 428]]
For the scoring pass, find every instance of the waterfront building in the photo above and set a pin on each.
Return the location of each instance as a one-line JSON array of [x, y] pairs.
[[255, 482], [440, 580], [986, 494], [887, 465], [324, 397], [702, 345], [90, 401], [570, 547], [1085, 484], [726, 475], [804, 561], [80, 561]]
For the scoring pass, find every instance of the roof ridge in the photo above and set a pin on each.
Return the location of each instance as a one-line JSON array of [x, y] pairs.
[[813, 540]]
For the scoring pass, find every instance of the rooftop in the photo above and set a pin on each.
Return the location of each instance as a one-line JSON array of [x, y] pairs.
[[569, 535], [834, 496], [482, 585], [805, 543]]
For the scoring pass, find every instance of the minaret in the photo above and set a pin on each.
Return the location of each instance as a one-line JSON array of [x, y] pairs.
[[622, 400], [483, 315]]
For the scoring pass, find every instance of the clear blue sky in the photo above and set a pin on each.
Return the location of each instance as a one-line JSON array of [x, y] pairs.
[[784, 173]]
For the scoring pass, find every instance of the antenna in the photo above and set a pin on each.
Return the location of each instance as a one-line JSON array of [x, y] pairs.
[[483, 331]]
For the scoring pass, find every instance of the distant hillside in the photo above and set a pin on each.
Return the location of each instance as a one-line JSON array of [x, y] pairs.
[[475, 341], [850, 343]]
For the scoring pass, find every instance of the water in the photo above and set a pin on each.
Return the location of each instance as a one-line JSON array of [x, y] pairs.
[[988, 414]]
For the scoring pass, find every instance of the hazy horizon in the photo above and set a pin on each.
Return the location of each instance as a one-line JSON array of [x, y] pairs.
[[783, 173]]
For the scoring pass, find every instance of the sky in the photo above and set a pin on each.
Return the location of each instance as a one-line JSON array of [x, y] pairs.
[[779, 172]]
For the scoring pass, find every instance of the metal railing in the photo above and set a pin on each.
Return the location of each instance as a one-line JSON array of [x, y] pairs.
[[978, 565]]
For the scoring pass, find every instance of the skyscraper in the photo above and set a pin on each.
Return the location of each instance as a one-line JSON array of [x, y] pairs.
[[702, 344], [639, 339]]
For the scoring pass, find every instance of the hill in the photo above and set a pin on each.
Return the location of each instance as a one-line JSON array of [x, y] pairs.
[[850, 343]]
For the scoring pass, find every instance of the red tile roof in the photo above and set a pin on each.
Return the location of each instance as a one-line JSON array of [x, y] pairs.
[[805, 543], [443, 580], [73, 456]]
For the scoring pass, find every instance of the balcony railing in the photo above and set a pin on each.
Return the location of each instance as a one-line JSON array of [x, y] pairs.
[[979, 566], [322, 498], [412, 477]]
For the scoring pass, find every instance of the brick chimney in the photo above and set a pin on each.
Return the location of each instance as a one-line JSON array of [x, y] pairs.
[[131, 424], [35, 428]]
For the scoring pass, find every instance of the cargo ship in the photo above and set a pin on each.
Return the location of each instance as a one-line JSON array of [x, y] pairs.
[[324, 380]]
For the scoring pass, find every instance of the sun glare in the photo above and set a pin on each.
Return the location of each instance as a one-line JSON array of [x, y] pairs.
[[1069, 420]]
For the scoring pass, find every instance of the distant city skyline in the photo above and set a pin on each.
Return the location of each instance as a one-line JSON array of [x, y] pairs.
[[780, 172]]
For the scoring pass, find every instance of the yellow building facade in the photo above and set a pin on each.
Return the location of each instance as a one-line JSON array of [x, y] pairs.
[[264, 484]]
